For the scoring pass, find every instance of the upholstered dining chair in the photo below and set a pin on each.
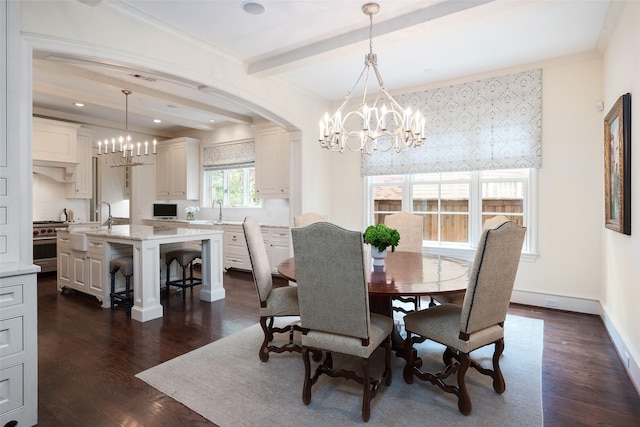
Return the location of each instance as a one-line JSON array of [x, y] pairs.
[[334, 307], [308, 218], [274, 302], [458, 298], [478, 322], [410, 227]]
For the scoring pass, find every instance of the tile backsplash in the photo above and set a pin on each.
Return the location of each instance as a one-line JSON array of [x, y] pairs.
[[49, 199]]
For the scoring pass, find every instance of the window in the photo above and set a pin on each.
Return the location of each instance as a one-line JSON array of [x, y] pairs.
[[454, 204], [234, 186]]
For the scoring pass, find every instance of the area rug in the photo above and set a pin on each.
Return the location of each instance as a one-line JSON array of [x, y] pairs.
[[226, 383]]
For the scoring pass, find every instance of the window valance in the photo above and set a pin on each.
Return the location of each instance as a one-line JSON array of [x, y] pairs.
[[483, 125], [229, 154]]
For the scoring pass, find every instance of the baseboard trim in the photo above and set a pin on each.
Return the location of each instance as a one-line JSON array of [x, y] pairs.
[[627, 356], [580, 305]]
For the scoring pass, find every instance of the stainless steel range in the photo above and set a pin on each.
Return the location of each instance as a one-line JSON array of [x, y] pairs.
[[45, 244]]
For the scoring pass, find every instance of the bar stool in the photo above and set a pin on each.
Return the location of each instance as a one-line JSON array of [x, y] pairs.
[[185, 258], [125, 266]]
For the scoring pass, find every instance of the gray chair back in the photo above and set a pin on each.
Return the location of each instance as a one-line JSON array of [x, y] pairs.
[[332, 286], [492, 276], [259, 258]]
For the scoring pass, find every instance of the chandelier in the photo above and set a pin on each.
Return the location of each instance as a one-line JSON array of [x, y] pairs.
[[121, 151], [381, 126]]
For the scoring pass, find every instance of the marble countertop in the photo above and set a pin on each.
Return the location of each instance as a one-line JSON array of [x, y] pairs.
[[143, 232], [197, 222]]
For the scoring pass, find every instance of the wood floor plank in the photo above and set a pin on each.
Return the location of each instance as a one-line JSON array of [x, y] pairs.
[[88, 358]]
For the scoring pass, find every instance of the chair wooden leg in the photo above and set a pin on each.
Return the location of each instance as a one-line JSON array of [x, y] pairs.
[[168, 276], [387, 361], [113, 287], [263, 354], [498, 379], [464, 401], [366, 398], [306, 387], [407, 372]]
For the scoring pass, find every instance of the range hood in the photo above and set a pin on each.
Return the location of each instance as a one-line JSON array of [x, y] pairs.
[[58, 171]]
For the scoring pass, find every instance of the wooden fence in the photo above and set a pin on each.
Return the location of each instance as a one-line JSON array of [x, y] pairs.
[[454, 224]]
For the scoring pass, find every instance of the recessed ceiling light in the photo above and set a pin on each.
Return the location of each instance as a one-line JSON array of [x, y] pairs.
[[253, 8], [157, 121], [78, 104], [212, 121]]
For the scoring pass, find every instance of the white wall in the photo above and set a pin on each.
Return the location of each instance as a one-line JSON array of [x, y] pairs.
[[621, 253], [570, 189]]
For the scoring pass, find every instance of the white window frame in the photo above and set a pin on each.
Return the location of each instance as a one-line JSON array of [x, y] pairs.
[[467, 250]]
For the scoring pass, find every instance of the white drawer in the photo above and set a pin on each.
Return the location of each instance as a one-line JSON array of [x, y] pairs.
[[279, 234], [11, 336], [11, 295], [11, 388], [96, 246], [236, 261]]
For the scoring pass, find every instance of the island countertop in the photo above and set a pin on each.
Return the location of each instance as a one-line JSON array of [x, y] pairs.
[[143, 232]]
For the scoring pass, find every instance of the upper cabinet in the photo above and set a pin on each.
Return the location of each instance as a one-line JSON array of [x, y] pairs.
[[178, 169], [272, 162], [54, 142], [82, 188]]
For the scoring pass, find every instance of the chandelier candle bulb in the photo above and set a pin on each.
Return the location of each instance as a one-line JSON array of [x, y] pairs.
[[154, 146], [146, 148], [99, 147]]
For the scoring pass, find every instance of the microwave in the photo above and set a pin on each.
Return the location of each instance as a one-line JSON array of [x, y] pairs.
[[165, 210]]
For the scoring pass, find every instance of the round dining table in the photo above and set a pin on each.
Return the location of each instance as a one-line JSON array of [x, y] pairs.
[[404, 274]]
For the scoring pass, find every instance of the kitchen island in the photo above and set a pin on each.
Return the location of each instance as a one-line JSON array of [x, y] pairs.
[[84, 255]]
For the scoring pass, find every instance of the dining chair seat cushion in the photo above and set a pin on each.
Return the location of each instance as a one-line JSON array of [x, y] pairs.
[[442, 324], [380, 327], [125, 264], [281, 302]]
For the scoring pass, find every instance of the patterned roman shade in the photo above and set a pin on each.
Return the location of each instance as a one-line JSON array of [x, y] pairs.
[[224, 156], [483, 125]]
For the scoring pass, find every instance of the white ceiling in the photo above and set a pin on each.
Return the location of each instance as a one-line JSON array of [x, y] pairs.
[[318, 46]]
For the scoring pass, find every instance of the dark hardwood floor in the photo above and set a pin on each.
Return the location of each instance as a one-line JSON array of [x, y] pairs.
[[88, 357]]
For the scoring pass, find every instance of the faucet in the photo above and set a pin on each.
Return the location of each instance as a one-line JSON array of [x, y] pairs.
[[220, 215], [110, 218]]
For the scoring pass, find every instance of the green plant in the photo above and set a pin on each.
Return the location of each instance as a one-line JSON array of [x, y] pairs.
[[380, 236]]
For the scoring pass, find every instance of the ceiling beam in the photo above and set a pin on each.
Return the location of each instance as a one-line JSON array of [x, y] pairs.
[[287, 61]]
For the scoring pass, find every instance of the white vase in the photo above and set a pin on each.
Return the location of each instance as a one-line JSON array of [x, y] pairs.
[[378, 257]]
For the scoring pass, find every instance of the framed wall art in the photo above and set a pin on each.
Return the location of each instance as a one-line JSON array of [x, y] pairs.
[[617, 166]]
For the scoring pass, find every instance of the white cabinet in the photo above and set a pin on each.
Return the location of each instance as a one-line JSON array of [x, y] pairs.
[[64, 260], [54, 141], [272, 162], [98, 284], [178, 169], [276, 240], [235, 252], [79, 271], [83, 271], [82, 187], [19, 349]]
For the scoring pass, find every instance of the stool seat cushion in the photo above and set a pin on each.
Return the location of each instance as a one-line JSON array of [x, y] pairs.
[[125, 264], [183, 256]]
